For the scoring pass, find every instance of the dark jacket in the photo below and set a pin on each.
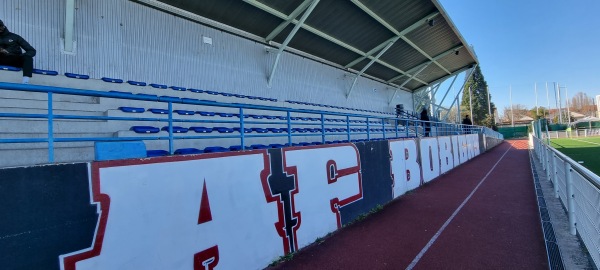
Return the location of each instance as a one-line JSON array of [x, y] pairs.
[[467, 121], [13, 44]]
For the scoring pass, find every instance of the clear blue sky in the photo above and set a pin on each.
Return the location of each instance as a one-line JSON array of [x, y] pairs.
[[520, 43]]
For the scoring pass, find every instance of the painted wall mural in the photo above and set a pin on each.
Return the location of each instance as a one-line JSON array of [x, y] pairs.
[[236, 210]]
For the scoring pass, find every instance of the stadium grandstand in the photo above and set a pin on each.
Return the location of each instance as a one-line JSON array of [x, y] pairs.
[[235, 134], [208, 59]]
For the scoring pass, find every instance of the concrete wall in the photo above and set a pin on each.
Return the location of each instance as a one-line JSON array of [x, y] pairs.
[[236, 210]]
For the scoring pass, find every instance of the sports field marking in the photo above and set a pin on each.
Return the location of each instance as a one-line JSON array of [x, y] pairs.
[[585, 141], [437, 234]]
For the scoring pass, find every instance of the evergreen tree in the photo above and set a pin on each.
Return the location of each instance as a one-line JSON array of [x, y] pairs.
[[479, 99]]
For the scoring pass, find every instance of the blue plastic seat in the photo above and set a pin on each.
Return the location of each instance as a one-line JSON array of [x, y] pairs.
[[157, 153], [159, 86], [195, 90], [275, 130], [144, 129], [223, 129], [276, 145], [132, 109], [177, 88], [169, 98], [176, 129], [316, 143], [188, 151], [215, 149], [239, 96], [111, 80], [294, 118], [260, 130], [270, 117], [225, 114], [259, 146], [184, 112], [201, 129], [45, 72], [203, 113], [314, 130], [282, 117], [246, 130], [77, 76], [211, 92], [299, 130], [255, 116], [136, 83], [158, 111], [9, 68], [251, 97], [226, 94]]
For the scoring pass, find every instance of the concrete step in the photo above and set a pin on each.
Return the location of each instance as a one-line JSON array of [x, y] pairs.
[[25, 157], [43, 104], [28, 126], [44, 96]]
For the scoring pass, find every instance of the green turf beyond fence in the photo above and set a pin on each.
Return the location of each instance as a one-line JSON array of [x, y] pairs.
[[586, 150]]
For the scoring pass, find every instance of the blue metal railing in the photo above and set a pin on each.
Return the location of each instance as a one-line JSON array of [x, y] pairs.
[[349, 125]]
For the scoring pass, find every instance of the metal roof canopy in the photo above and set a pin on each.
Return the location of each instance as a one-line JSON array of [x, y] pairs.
[[407, 44]]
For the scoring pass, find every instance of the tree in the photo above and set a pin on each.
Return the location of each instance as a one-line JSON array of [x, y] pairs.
[[518, 111], [538, 112], [479, 99], [582, 103]]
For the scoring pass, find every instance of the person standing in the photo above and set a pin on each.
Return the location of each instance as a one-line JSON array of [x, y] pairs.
[[467, 124], [426, 124], [11, 52]]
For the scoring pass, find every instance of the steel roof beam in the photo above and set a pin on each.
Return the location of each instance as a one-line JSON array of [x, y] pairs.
[[289, 38], [437, 57], [387, 47], [293, 15], [404, 32], [319, 33], [449, 87], [461, 88]]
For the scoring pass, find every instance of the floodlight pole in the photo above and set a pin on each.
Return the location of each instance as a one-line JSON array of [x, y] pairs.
[[537, 108], [567, 104], [547, 101], [512, 116], [559, 103]]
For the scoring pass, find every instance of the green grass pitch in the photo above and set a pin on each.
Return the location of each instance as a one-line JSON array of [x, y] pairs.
[[581, 149]]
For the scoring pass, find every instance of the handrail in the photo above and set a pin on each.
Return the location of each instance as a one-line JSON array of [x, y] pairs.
[[380, 127], [586, 173]]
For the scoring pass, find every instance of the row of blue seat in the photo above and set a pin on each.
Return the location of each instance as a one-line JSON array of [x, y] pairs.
[[178, 88], [336, 107], [253, 116], [217, 149], [178, 129]]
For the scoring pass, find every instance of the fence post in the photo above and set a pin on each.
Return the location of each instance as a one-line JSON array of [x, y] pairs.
[[548, 162], [50, 129], [170, 107], [554, 176], [570, 199]]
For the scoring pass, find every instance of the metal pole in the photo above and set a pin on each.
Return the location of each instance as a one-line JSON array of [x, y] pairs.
[[512, 117], [289, 38], [547, 101], [471, 106], [567, 104], [537, 108], [570, 198], [554, 176], [559, 103]]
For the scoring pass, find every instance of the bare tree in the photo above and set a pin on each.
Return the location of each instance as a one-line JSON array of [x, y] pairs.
[[518, 112], [582, 103]]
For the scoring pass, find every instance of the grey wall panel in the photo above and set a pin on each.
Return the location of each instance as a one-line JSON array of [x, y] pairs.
[[123, 39]]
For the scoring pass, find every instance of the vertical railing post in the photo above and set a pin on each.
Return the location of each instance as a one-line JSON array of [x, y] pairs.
[[50, 129], [170, 105], [348, 126], [383, 127], [570, 199], [368, 129], [242, 130], [555, 176], [549, 167], [322, 128], [406, 128], [289, 129]]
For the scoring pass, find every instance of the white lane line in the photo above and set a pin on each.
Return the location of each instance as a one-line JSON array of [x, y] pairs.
[[437, 234], [585, 141]]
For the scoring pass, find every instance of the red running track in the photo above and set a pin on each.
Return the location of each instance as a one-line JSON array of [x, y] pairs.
[[481, 215]]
